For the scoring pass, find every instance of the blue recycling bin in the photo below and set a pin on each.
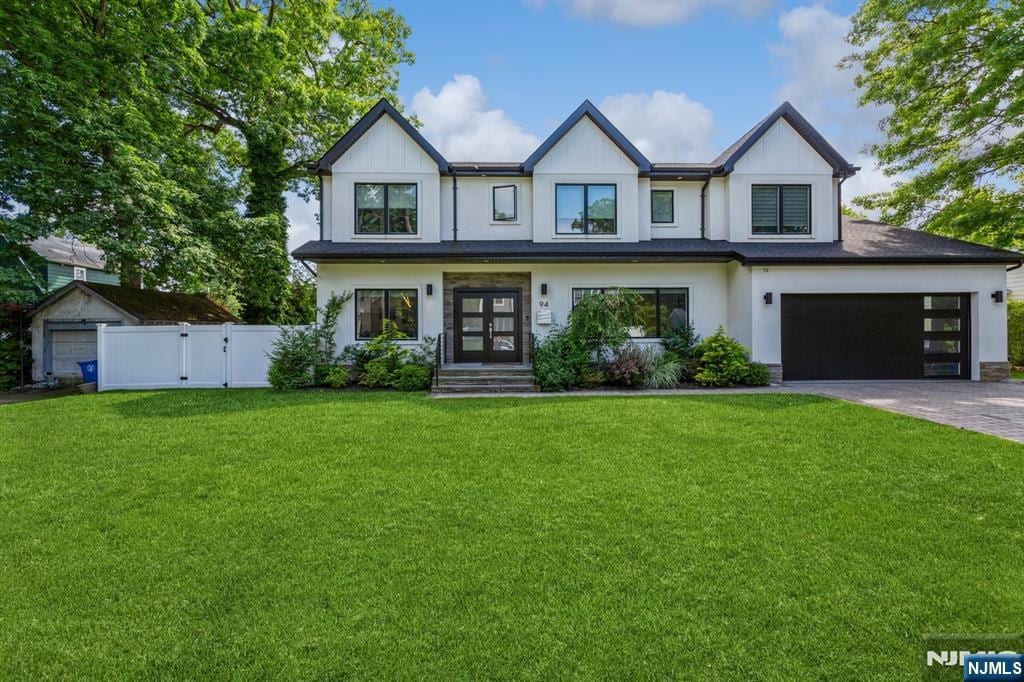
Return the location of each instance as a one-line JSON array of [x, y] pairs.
[[89, 372]]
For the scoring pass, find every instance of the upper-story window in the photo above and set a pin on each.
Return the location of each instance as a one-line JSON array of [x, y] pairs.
[[780, 209], [662, 206], [79, 273], [385, 208], [585, 209], [503, 203]]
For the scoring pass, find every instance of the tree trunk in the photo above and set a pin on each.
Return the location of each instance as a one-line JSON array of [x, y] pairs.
[[264, 259]]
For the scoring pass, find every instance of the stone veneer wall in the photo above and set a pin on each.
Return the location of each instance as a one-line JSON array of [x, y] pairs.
[[775, 371], [485, 280], [995, 371]]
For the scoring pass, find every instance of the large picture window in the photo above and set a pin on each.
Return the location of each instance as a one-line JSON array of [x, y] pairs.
[[585, 209], [385, 208], [373, 306], [503, 200], [780, 209], [662, 309], [662, 206]]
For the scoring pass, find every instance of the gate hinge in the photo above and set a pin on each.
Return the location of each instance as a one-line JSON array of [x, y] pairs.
[[184, 378], [225, 384], [184, 334], [225, 339]]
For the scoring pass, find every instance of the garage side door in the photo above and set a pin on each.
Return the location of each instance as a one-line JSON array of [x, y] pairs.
[[875, 336], [71, 347]]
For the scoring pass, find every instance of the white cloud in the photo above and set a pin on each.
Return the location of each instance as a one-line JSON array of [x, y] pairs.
[[302, 221], [457, 121], [652, 13], [813, 43], [664, 126]]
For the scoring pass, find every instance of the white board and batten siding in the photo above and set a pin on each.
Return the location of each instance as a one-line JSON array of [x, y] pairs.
[[184, 356], [1015, 284]]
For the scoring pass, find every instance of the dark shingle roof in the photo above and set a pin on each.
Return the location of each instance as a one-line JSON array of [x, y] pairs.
[[150, 306], [864, 242]]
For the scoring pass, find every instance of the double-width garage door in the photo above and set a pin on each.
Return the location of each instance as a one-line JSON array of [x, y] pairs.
[[875, 336]]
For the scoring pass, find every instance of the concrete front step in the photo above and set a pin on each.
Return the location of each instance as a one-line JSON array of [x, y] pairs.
[[486, 379], [489, 372], [484, 388]]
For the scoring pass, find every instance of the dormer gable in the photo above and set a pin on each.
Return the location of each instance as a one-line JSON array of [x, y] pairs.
[[587, 131], [796, 124], [393, 133]]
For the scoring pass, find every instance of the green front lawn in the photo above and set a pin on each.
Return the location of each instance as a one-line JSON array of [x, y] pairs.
[[246, 533], [1017, 373]]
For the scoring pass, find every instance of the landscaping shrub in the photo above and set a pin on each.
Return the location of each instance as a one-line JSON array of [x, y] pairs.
[[297, 351], [688, 368], [601, 321], [1015, 327], [591, 377], [723, 361], [340, 376], [379, 373], [681, 341], [665, 370], [557, 362], [757, 375], [629, 366], [413, 378]]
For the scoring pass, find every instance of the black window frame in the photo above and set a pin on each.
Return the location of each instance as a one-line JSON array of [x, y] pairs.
[[515, 204], [586, 208], [657, 303], [387, 213], [387, 311], [672, 206], [779, 210]]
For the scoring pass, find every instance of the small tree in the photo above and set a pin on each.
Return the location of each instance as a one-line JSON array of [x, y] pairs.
[[600, 322], [298, 350]]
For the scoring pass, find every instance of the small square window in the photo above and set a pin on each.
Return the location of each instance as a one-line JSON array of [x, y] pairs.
[[79, 274], [662, 206]]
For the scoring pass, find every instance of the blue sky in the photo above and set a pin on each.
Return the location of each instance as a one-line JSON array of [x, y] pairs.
[[682, 78]]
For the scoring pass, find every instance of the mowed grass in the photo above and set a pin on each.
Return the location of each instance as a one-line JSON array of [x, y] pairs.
[[252, 534]]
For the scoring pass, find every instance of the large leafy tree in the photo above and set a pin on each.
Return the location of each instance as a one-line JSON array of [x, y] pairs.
[[90, 143], [951, 75], [281, 80]]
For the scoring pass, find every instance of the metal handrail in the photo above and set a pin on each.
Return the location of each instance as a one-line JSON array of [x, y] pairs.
[[438, 358]]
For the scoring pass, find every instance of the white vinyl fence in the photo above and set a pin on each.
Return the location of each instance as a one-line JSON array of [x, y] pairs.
[[183, 356]]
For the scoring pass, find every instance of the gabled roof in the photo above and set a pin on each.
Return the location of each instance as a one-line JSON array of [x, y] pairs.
[[589, 110], [727, 159], [148, 306], [69, 250], [382, 108]]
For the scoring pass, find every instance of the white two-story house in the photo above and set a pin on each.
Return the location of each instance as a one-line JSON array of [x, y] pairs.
[[487, 256]]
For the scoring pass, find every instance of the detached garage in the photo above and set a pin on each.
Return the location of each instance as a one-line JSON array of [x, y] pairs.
[[64, 324], [876, 336]]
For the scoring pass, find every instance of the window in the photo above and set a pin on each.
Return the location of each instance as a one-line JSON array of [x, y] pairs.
[[385, 208], [780, 209], [373, 306], [661, 309], [585, 209], [662, 206], [503, 200], [79, 274]]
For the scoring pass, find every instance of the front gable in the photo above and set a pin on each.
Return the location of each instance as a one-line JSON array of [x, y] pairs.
[[585, 148], [782, 150], [385, 147]]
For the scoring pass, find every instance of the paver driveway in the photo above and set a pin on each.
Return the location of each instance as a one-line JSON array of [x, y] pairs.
[[993, 408]]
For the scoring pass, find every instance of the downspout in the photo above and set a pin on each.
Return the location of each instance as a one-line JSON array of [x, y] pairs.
[[839, 203], [455, 206], [703, 193], [320, 178], [306, 265]]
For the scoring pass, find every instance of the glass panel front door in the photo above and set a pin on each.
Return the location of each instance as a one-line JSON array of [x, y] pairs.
[[487, 326]]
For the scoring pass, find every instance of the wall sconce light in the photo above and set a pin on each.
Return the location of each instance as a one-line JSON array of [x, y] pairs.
[[430, 290], [543, 289], [997, 296], [768, 298]]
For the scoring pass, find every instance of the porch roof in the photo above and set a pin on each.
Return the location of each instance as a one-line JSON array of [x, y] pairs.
[[864, 243]]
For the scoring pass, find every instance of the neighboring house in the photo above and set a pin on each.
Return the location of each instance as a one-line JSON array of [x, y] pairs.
[[1015, 283], [68, 259], [486, 255], [64, 324]]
